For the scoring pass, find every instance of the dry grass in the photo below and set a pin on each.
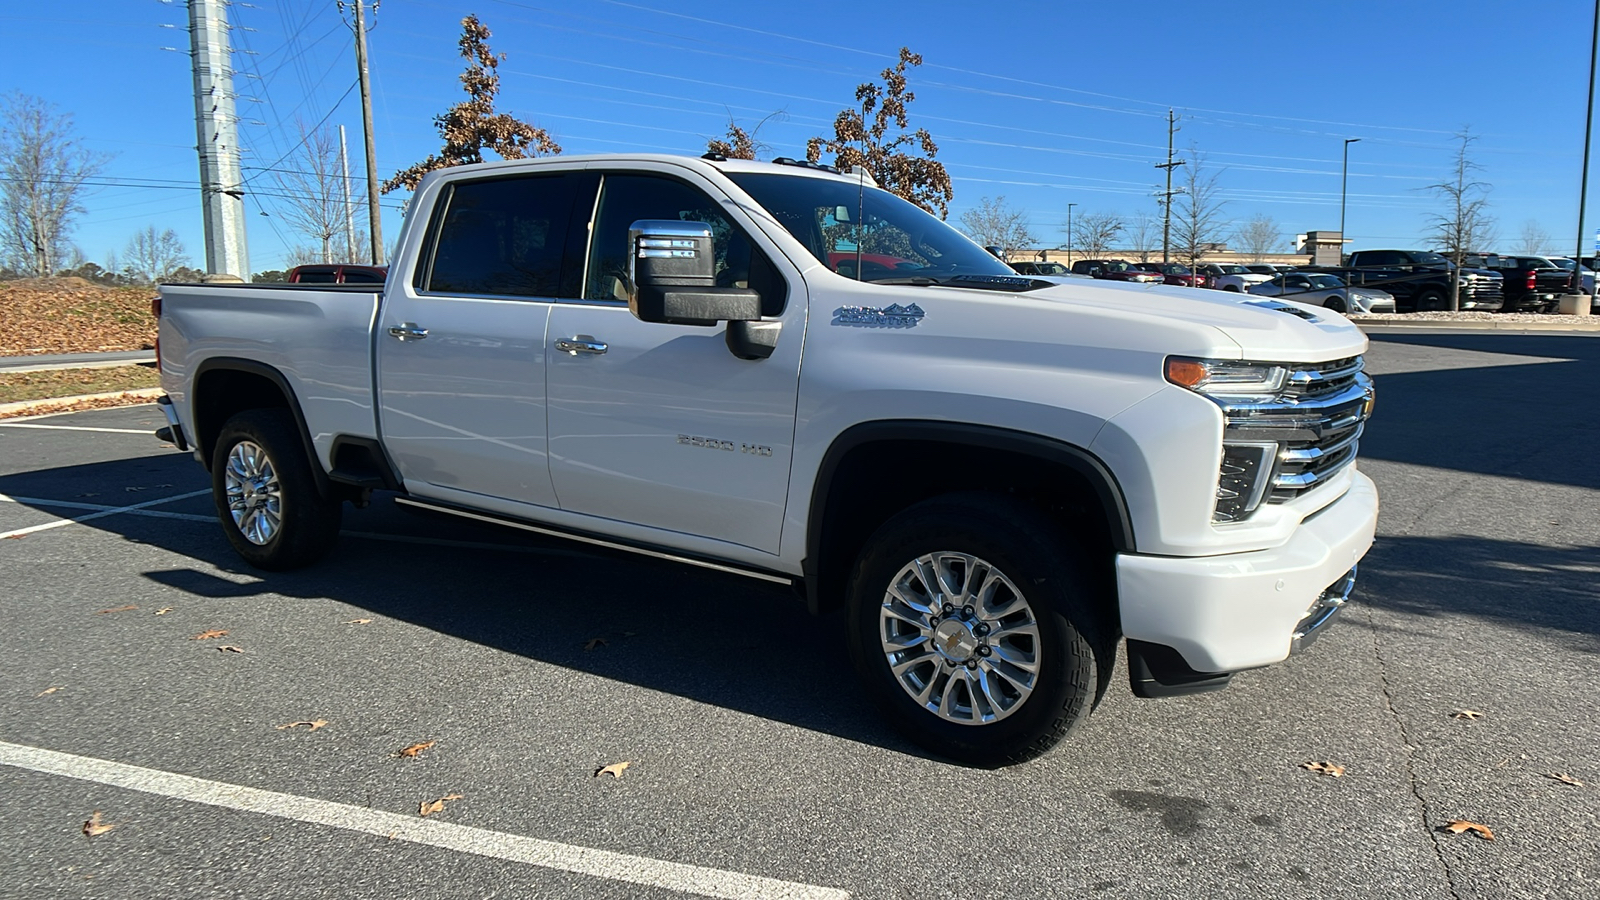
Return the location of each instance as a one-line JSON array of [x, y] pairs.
[[71, 315], [73, 382]]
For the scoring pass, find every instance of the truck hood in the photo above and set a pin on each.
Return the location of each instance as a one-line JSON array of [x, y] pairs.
[[1163, 318]]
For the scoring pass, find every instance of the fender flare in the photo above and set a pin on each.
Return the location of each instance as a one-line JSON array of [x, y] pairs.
[[252, 367]]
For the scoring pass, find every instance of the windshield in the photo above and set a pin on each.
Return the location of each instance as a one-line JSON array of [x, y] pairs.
[[1236, 270], [1427, 258], [870, 234]]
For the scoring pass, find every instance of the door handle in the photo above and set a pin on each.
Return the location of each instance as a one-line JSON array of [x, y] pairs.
[[583, 343], [408, 331]]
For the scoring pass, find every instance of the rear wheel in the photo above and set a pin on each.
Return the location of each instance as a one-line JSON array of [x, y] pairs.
[[972, 623], [1430, 301], [266, 494]]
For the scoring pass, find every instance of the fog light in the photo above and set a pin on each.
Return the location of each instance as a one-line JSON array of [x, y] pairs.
[[1242, 479]]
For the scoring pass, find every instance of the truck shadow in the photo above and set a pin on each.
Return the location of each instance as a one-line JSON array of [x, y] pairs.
[[1494, 414]]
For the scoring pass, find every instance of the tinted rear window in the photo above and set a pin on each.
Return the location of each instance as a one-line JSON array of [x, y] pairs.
[[505, 236]]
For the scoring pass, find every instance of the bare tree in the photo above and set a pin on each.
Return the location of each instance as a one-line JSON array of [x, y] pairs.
[[1534, 240], [742, 144], [1144, 234], [314, 192], [919, 179], [1259, 236], [993, 223], [43, 170], [1464, 226], [152, 256], [472, 126], [1094, 233], [1198, 224]]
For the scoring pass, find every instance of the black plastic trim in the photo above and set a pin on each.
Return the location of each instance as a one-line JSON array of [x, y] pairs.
[[173, 433], [1118, 520], [1156, 670], [251, 367], [381, 476]]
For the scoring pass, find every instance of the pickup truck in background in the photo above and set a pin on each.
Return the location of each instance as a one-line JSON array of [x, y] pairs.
[[1419, 280], [1527, 283], [999, 479]]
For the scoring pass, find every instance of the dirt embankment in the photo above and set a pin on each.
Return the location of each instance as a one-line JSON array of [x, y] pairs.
[[71, 315]]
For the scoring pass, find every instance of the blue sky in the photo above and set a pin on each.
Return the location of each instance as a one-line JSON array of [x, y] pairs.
[[1043, 103]]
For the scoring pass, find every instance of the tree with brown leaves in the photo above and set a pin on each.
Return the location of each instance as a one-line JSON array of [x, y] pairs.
[[470, 127], [918, 178], [739, 145]]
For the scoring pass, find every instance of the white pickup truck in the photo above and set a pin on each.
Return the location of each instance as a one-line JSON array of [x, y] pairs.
[[781, 371]]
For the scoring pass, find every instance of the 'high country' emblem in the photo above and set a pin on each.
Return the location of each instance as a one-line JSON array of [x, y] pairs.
[[894, 316]]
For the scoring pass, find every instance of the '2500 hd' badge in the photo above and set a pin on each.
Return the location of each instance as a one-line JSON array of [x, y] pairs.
[[719, 444]]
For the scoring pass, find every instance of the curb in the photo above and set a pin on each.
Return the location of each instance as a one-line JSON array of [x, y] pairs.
[[1473, 324], [66, 404]]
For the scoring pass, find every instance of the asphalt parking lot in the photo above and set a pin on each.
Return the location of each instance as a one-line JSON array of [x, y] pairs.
[[756, 768]]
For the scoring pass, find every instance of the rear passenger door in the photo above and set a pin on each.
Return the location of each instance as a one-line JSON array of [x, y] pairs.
[[461, 343]]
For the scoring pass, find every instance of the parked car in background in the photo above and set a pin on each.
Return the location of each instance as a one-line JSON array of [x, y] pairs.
[[1115, 270], [1176, 273], [1268, 268], [1042, 269], [1232, 277], [337, 273], [1328, 291], [1565, 262], [1419, 279], [1528, 283]]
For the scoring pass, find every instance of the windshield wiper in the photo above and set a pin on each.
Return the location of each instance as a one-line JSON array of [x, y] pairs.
[[1011, 284]]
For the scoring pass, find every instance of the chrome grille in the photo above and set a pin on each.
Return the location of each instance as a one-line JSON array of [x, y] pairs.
[[1316, 422]]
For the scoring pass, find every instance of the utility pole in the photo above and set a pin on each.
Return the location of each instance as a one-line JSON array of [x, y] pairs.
[[1166, 196], [1344, 177], [374, 222], [349, 208], [1575, 302], [217, 131]]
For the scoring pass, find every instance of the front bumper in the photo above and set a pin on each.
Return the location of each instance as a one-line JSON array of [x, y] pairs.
[[1243, 610]]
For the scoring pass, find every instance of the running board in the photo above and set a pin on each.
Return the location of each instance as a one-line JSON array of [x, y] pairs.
[[597, 542]]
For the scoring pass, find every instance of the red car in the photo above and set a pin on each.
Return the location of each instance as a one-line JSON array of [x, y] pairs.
[[1176, 273], [1114, 270]]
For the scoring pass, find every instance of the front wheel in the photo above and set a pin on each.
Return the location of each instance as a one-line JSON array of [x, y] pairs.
[[1430, 301], [266, 494], [1336, 304], [973, 625]]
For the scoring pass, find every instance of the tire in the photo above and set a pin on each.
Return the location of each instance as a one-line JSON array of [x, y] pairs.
[[1039, 612], [1232, 289], [282, 521], [1336, 304], [1430, 301]]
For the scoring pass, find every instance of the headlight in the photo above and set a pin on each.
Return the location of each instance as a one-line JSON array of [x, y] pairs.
[[1226, 377]]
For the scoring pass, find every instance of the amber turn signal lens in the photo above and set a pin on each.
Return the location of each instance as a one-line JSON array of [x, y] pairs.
[[1186, 372]]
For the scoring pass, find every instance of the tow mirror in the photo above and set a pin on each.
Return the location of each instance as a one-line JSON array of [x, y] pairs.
[[673, 268]]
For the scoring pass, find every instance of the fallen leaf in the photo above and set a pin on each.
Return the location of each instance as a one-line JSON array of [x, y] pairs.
[[1562, 777], [164, 610], [94, 827], [15, 537], [314, 724], [229, 648], [359, 622], [116, 609], [208, 635], [1457, 826], [1324, 768], [429, 807], [592, 643], [414, 750], [1470, 715], [52, 690], [614, 770]]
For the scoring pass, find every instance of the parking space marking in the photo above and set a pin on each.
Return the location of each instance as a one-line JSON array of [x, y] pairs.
[[110, 511], [365, 535], [607, 864], [144, 431]]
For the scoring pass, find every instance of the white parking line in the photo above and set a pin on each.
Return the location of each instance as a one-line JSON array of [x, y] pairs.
[[607, 864], [364, 535], [110, 511], [147, 432]]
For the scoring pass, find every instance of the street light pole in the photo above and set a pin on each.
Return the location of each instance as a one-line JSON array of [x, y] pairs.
[[1344, 177], [1069, 224], [1576, 302]]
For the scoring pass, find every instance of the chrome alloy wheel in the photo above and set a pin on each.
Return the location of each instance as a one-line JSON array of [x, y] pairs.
[[960, 638], [255, 498]]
